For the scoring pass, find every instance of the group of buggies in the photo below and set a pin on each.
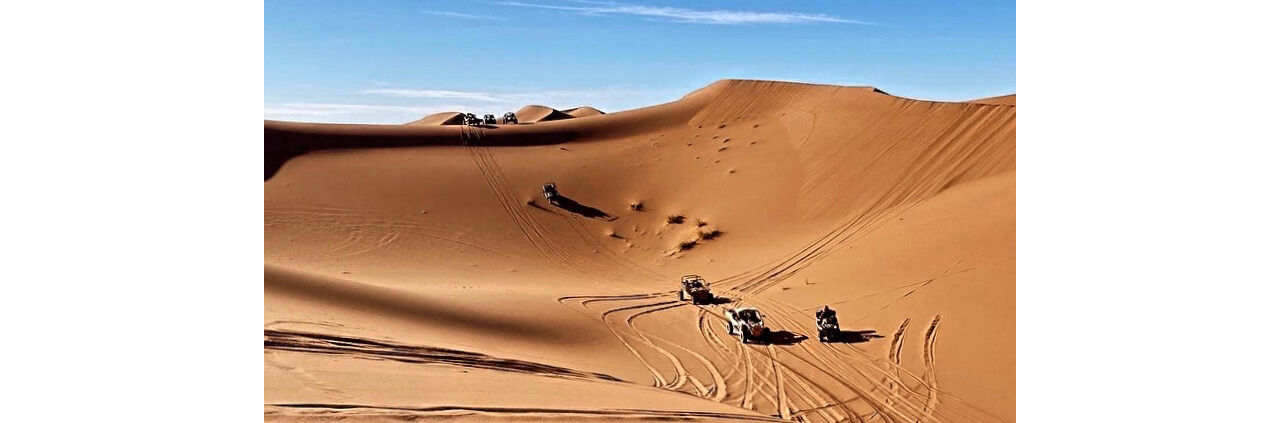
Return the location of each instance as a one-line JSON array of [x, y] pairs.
[[747, 323], [470, 119]]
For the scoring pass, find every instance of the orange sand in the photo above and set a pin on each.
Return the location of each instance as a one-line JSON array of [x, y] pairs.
[[416, 271]]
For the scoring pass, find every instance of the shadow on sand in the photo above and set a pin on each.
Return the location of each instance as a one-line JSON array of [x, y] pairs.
[[719, 300], [784, 337], [854, 336], [571, 206]]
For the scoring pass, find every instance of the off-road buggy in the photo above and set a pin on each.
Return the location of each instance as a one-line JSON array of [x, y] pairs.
[[747, 324], [693, 287], [549, 191], [509, 117], [490, 120], [828, 325], [470, 119]]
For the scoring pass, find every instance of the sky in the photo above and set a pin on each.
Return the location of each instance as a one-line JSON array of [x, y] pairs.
[[396, 61]]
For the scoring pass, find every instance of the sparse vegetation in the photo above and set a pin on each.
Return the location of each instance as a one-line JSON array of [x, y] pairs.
[[675, 219], [636, 206], [687, 245], [710, 235]]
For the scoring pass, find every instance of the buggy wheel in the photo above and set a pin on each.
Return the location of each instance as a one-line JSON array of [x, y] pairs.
[[681, 294], [742, 336]]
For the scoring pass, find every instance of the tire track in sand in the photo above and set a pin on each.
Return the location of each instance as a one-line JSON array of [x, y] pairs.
[[658, 380], [346, 345], [342, 411], [895, 356], [494, 178], [783, 410], [930, 372], [760, 382], [716, 390]]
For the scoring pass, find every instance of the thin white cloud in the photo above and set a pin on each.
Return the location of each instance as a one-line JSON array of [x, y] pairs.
[[408, 93], [331, 109], [514, 98], [463, 15], [676, 14]]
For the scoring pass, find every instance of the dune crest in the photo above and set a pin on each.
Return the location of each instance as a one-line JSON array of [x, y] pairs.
[[536, 113], [1005, 100], [443, 118], [583, 111]]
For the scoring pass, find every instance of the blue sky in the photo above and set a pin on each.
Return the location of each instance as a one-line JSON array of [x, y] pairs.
[[394, 61]]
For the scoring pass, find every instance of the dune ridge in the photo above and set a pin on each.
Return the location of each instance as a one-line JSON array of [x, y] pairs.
[[1004, 100], [583, 111]]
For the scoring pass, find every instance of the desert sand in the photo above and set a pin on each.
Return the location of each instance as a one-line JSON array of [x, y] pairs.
[[415, 271]]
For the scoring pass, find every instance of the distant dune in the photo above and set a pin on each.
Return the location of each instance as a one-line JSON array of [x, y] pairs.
[[417, 272], [536, 113], [445, 118], [583, 111]]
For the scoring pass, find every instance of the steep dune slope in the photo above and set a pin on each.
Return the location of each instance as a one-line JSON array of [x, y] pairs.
[[896, 212]]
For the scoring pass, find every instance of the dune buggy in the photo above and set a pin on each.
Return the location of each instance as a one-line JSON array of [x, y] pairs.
[[828, 325], [693, 287], [549, 191], [747, 324]]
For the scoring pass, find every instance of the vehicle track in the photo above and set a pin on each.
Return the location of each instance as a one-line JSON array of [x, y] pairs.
[[930, 367], [783, 410], [784, 385], [633, 332], [920, 286], [447, 411], [658, 379], [308, 379], [821, 359], [770, 363], [718, 388], [915, 402], [614, 259], [923, 178], [346, 345], [895, 356], [362, 225], [537, 236]]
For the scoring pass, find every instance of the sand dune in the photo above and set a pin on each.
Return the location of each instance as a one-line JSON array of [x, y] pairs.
[[536, 113], [415, 271], [583, 111], [443, 118], [1007, 100]]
